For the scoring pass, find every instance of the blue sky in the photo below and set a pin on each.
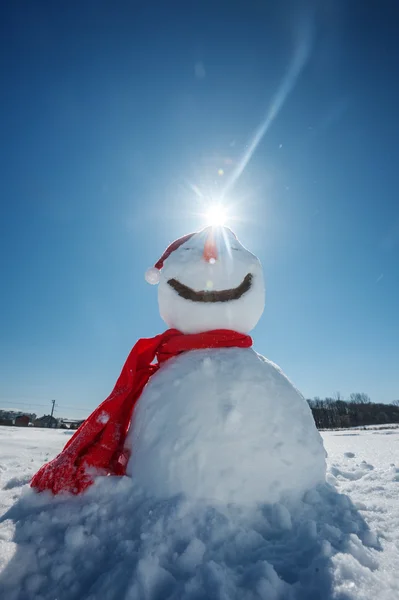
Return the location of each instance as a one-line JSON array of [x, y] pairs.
[[109, 111]]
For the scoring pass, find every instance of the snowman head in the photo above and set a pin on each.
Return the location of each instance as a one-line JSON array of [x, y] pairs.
[[208, 280]]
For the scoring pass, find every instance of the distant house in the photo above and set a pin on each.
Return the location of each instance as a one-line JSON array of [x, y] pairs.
[[12, 417], [22, 421], [46, 421], [76, 424], [70, 423]]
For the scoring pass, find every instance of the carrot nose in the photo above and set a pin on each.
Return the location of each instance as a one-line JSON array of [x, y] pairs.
[[210, 250]]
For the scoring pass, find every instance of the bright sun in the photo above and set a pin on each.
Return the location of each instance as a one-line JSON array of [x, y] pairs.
[[216, 215]]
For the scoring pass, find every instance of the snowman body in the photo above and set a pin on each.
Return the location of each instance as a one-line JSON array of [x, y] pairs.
[[224, 425], [220, 424]]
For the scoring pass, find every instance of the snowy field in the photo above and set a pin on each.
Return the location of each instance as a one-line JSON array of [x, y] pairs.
[[341, 542]]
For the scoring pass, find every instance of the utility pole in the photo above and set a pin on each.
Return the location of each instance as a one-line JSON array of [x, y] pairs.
[[52, 411]]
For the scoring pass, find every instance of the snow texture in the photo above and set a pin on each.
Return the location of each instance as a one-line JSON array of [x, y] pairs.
[[234, 262], [340, 542], [212, 424]]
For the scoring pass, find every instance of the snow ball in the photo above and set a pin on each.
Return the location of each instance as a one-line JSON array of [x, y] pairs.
[[266, 590], [326, 548], [34, 582], [371, 539], [282, 517], [268, 583], [103, 417], [308, 530], [75, 536], [333, 532], [152, 580], [343, 501], [192, 555], [312, 497], [152, 275], [361, 553], [58, 571], [187, 266], [243, 435]]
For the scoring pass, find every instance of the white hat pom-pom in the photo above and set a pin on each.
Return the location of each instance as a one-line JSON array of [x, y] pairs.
[[152, 275]]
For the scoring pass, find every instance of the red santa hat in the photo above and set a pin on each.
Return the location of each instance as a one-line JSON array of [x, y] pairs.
[[152, 275], [210, 254]]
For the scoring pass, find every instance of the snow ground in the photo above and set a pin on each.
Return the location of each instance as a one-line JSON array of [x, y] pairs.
[[341, 542]]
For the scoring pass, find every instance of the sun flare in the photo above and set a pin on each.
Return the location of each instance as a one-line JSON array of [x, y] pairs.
[[216, 215]]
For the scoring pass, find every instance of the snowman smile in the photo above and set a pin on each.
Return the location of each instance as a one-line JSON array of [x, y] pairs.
[[212, 296]]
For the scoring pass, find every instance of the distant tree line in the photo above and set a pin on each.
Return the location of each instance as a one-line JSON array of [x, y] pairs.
[[358, 410]]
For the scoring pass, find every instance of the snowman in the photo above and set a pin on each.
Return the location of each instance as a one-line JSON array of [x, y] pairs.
[[212, 419], [223, 424]]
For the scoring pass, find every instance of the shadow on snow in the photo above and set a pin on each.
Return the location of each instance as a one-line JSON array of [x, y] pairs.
[[113, 543]]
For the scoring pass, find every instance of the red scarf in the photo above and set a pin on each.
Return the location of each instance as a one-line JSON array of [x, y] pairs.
[[97, 447]]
